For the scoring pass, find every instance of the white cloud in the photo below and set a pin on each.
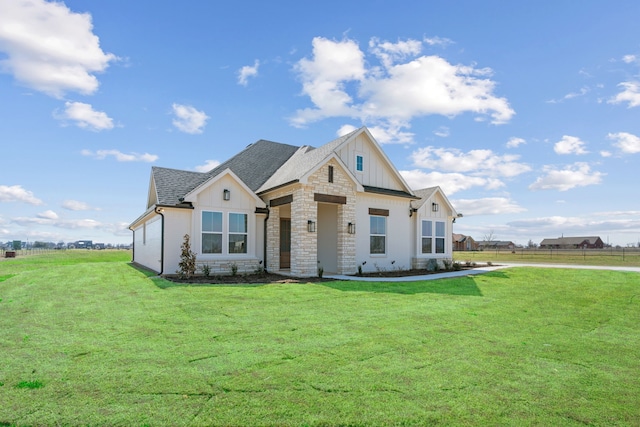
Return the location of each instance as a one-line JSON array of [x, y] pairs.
[[442, 132], [449, 182], [48, 215], [248, 71], [605, 153], [582, 92], [16, 193], [340, 84], [188, 119], [121, 157], [86, 117], [438, 41], [571, 176], [50, 48], [487, 206], [207, 166], [324, 77], [515, 142], [569, 145], [481, 162], [345, 129], [53, 220], [629, 59], [626, 142], [630, 94], [74, 205]]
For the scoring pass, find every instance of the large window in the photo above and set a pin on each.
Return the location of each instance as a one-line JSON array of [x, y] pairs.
[[377, 235], [237, 233], [211, 232], [428, 237], [439, 237]]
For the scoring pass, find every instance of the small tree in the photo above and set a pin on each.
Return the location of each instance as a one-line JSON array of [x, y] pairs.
[[187, 262]]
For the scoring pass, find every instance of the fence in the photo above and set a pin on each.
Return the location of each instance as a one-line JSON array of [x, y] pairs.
[[618, 254]]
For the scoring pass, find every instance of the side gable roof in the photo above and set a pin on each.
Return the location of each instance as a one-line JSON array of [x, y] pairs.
[[253, 165], [570, 240]]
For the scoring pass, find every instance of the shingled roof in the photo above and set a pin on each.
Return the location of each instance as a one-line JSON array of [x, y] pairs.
[[253, 165]]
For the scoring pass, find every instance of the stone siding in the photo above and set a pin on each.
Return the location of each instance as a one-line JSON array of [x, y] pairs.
[[223, 267]]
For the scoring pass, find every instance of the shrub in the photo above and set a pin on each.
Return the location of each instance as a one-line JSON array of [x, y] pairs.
[[432, 265], [234, 269], [359, 269], [320, 272], [447, 264], [187, 264], [206, 270], [489, 263], [457, 266]]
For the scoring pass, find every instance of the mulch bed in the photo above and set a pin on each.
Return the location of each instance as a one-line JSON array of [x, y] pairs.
[[278, 278]]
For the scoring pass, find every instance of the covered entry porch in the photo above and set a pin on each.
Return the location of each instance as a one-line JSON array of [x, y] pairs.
[[305, 234]]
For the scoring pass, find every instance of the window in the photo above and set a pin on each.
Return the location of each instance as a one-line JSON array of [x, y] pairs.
[[237, 233], [359, 163], [439, 237], [428, 237], [377, 235], [211, 232], [330, 173]]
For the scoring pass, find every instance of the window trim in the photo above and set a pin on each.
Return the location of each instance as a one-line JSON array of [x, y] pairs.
[[384, 253], [434, 236], [359, 163], [202, 232], [236, 233]]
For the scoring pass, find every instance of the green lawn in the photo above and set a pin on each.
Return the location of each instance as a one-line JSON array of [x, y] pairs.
[[86, 339]]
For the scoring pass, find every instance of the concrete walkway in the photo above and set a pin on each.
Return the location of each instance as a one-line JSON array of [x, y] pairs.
[[478, 270]]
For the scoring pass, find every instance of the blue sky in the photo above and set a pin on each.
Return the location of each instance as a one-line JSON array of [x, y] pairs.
[[525, 113]]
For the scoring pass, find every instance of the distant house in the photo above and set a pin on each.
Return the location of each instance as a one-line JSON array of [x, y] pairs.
[[591, 242], [464, 243], [295, 209], [500, 245]]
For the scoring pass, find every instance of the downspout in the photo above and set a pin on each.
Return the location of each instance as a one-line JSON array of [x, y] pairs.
[[264, 243], [159, 212]]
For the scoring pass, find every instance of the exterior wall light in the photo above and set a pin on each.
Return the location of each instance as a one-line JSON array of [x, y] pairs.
[[351, 228], [434, 207], [226, 194], [311, 226]]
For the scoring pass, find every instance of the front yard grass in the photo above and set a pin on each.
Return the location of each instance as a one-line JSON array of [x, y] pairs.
[[101, 343]]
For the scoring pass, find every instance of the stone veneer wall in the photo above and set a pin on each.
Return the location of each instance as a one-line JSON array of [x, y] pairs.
[[223, 267], [342, 185], [421, 263], [304, 245]]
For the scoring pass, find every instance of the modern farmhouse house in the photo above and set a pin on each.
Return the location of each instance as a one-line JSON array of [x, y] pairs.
[[293, 210]]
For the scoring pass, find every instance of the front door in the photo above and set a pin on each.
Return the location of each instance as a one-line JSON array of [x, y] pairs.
[[285, 243]]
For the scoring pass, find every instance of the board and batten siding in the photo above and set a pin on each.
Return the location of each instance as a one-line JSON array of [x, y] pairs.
[[376, 170]]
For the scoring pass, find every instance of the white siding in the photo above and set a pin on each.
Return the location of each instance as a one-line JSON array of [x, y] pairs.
[[398, 237], [241, 202], [147, 243], [177, 224], [376, 170], [442, 215]]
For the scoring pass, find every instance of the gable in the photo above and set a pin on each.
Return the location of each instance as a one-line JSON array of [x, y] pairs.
[[211, 192], [367, 162]]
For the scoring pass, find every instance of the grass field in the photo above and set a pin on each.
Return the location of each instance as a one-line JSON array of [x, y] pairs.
[[86, 339], [620, 257]]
